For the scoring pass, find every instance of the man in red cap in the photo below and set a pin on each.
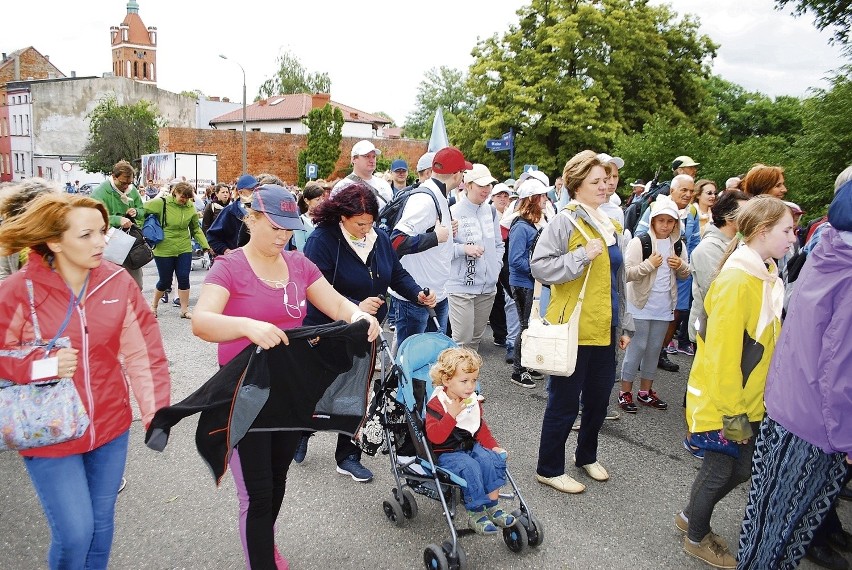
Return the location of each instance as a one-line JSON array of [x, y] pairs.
[[422, 241]]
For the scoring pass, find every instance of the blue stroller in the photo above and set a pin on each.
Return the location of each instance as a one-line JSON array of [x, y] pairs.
[[421, 474]]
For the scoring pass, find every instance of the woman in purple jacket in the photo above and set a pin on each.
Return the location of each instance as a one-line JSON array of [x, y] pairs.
[[804, 447]]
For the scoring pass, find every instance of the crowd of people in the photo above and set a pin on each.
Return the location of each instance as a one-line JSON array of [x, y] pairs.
[[727, 277]]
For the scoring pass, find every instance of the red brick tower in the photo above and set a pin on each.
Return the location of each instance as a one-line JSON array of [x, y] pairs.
[[134, 48]]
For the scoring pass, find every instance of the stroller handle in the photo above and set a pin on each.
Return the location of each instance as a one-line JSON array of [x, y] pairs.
[[432, 314]]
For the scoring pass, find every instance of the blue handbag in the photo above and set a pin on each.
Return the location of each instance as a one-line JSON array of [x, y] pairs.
[[152, 229]]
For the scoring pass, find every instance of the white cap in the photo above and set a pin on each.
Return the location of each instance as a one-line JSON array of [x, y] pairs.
[[361, 148], [664, 205], [531, 187], [500, 187], [536, 175], [616, 160], [479, 175], [425, 161]]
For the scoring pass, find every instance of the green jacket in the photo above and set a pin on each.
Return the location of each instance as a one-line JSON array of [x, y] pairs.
[[181, 222], [116, 207]]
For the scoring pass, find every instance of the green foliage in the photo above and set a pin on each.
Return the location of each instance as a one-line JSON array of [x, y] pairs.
[[196, 94], [292, 77], [578, 74], [120, 132], [325, 126], [836, 14], [825, 147], [443, 87]]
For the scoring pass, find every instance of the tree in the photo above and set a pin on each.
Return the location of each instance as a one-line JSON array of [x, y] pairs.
[[828, 13], [120, 132], [292, 77], [195, 94], [325, 126], [443, 87], [575, 74]]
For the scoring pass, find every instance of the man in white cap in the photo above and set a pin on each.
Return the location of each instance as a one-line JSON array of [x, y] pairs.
[[364, 155], [424, 167], [477, 258]]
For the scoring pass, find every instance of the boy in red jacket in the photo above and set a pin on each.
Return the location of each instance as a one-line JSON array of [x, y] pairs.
[[462, 441]]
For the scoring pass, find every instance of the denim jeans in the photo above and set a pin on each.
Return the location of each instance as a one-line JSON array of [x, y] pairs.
[[513, 325], [78, 495], [413, 318], [523, 305], [482, 469], [168, 266]]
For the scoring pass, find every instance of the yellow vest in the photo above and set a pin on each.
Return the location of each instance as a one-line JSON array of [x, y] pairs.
[[596, 312]]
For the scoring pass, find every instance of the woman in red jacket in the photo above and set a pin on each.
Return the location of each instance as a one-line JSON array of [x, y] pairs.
[[114, 340]]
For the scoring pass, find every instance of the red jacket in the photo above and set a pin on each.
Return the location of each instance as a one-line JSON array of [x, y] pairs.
[[442, 433], [116, 334]]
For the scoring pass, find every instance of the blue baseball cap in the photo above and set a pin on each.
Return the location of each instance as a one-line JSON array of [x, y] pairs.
[[398, 164], [246, 182], [278, 205]]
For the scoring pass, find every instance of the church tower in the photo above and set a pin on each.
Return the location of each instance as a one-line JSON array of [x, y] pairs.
[[134, 48]]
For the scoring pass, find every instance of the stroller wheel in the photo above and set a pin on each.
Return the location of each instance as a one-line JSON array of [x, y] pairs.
[[409, 504], [435, 559], [457, 562], [515, 536], [393, 510], [534, 528]]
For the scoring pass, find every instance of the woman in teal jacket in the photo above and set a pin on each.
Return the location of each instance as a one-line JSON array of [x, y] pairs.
[[173, 255]]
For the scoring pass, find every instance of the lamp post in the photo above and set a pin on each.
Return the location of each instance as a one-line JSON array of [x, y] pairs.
[[245, 156]]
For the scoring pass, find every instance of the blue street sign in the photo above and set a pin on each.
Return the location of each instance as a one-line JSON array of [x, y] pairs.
[[311, 171], [529, 167], [495, 145]]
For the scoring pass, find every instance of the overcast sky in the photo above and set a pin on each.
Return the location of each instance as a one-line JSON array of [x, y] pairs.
[[376, 52]]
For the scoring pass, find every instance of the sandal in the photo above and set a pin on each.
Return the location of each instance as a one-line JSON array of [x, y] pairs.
[[500, 517], [479, 523], [186, 315]]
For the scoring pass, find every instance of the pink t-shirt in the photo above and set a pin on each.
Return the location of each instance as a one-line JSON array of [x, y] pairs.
[[284, 305]]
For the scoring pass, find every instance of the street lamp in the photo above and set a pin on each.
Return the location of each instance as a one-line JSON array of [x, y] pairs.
[[245, 156]]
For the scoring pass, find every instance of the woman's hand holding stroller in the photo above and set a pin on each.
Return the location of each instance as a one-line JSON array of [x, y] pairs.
[[500, 451], [427, 298]]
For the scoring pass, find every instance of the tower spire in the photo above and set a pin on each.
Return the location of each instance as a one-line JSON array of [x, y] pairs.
[[132, 7]]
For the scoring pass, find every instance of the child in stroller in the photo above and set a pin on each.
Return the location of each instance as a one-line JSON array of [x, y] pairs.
[[462, 441]]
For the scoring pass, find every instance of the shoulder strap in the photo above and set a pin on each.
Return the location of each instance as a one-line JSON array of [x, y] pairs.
[[419, 190], [645, 240], [163, 222], [36, 328]]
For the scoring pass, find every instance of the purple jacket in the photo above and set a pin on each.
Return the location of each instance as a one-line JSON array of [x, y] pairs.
[[809, 385]]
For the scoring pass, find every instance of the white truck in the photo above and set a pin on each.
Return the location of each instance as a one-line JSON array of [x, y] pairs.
[[198, 169]]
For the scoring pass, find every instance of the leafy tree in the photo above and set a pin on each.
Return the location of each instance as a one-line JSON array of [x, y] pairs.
[[120, 132], [325, 126], [292, 77], [740, 114], [836, 14], [825, 147], [386, 116], [443, 87], [575, 74], [195, 94]]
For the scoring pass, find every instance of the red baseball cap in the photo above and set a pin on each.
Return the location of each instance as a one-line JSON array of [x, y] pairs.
[[450, 160]]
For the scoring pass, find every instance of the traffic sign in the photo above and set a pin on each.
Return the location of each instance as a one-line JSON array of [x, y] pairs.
[[530, 167], [311, 171]]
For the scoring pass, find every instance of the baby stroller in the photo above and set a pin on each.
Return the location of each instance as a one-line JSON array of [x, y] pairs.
[[200, 258], [422, 475]]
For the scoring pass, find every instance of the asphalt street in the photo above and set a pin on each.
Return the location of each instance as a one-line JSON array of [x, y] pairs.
[[172, 516]]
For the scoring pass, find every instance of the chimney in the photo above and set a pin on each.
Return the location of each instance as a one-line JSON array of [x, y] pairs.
[[262, 102], [47, 57], [4, 56], [73, 74], [226, 99], [319, 100], [213, 98]]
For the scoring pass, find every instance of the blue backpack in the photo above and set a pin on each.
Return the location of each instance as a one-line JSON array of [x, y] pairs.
[[152, 229]]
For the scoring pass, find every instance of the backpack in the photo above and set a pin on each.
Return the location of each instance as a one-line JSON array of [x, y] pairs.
[[645, 240], [391, 212], [634, 212]]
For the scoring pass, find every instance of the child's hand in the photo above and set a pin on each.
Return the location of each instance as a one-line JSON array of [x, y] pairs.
[[455, 407], [656, 259], [500, 451], [674, 262]]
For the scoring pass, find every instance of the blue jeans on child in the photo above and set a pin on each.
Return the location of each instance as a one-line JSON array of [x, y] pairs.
[[482, 469], [78, 495]]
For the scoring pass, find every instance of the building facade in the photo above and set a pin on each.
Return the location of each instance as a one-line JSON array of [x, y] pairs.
[[134, 48]]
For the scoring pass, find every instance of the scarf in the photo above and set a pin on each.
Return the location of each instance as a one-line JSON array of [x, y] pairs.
[[361, 247], [748, 260], [601, 222]]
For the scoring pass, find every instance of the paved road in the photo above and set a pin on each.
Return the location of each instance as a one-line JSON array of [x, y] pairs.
[[172, 516]]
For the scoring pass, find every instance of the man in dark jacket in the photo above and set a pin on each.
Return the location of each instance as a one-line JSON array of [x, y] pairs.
[[228, 231]]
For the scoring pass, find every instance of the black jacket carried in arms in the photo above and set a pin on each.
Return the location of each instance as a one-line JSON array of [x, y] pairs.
[[320, 381]]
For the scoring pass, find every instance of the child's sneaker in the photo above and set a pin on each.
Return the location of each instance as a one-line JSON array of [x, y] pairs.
[[687, 349], [651, 400], [479, 523], [625, 402], [671, 348], [500, 517]]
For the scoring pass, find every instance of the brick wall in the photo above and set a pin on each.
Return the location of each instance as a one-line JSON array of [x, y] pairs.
[[32, 64], [271, 152]]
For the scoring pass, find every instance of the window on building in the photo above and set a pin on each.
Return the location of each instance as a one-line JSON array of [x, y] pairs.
[[254, 130], [288, 130], [144, 70], [135, 69], [27, 124]]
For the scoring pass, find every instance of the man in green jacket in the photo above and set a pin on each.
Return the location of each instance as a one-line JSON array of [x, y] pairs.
[[122, 201]]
